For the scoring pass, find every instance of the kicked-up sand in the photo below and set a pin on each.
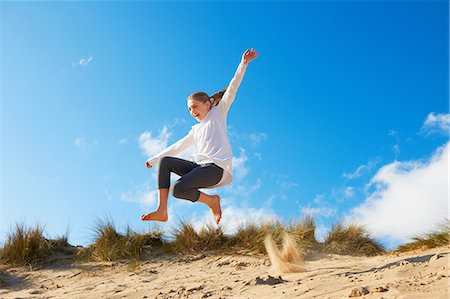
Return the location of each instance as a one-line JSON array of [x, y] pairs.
[[414, 274]]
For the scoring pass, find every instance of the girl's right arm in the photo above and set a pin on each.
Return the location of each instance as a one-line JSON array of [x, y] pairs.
[[176, 148]]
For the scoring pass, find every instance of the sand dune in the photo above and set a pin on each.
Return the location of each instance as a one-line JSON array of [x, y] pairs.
[[417, 274]]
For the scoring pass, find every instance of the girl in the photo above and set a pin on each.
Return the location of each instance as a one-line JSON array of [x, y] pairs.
[[211, 166]]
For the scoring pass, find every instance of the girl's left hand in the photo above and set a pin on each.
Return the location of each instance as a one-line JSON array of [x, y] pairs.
[[249, 55]]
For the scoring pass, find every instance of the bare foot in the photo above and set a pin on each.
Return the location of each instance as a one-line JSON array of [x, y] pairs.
[[216, 209], [156, 216]]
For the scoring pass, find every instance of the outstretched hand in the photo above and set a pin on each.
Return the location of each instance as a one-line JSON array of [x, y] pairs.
[[148, 164], [249, 55]]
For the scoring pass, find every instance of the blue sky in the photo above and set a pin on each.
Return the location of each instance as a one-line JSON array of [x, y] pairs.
[[342, 114]]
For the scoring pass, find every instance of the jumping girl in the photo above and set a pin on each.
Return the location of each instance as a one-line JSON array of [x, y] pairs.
[[212, 164]]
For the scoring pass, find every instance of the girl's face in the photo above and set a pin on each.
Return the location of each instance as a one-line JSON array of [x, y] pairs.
[[197, 109]]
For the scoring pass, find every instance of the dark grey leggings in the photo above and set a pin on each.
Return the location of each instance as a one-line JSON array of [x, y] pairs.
[[193, 176]]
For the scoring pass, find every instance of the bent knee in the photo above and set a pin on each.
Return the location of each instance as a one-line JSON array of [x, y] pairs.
[[178, 190], [182, 192]]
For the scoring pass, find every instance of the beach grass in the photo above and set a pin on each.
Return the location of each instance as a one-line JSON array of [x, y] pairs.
[[111, 245], [304, 233], [29, 246], [351, 239], [437, 237], [26, 246]]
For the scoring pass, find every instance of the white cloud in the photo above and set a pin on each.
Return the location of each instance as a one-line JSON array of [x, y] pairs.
[[319, 211], [319, 199], [141, 195], [240, 170], [86, 61], [393, 133], [357, 173], [410, 198], [240, 191], [257, 138], [123, 141], [83, 145], [252, 139], [80, 142], [153, 145], [234, 217], [258, 155], [437, 123], [396, 150], [349, 191], [288, 185], [360, 170]]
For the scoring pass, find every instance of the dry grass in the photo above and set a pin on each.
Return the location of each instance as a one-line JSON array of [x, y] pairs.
[[248, 237], [185, 238], [211, 237], [351, 240], [110, 245], [436, 238], [304, 233], [25, 246], [251, 237], [28, 245]]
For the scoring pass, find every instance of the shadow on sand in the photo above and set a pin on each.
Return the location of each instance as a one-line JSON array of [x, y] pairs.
[[410, 260]]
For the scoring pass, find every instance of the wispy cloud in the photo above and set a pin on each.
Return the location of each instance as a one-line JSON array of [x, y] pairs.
[[409, 198], [83, 61], [286, 185], [86, 61], [240, 169], [122, 141], [349, 191], [257, 138], [240, 191], [318, 211], [153, 145], [250, 139], [235, 216], [355, 174], [83, 145], [436, 124], [360, 170], [143, 195], [258, 155]]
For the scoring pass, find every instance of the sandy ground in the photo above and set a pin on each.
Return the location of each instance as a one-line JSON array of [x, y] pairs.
[[416, 274]]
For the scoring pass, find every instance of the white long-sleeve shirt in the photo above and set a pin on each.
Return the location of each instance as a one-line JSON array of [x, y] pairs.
[[210, 135]]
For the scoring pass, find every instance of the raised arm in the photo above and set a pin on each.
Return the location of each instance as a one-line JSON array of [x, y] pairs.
[[176, 148], [230, 93]]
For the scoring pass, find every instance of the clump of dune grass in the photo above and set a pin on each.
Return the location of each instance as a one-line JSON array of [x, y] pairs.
[[250, 237], [135, 243], [25, 245], [435, 238], [212, 237], [351, 240], [110, 245], [303, 232], [185, 238]]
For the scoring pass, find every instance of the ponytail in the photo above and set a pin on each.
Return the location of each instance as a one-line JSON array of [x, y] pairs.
[[217, 97], [204, 97]]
